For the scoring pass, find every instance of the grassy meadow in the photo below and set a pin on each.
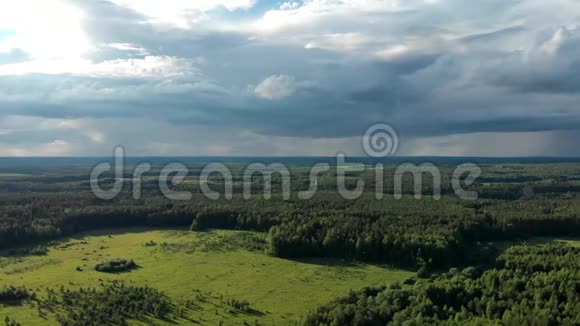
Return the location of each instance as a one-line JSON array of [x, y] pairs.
[[209, 268]]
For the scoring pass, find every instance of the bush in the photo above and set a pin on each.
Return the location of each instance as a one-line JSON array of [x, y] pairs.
[[116, 266], [12, 293], [30, 251], [11, 322], [423, 272], [410, 281], [150, 244], [241, 305], [111, 304]]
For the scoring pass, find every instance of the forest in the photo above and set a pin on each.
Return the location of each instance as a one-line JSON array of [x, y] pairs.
[[462, 275], [526, 286], [402, 232]]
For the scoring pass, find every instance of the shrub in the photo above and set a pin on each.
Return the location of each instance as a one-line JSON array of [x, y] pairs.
[[12, 293], [241, 305], [29, 251], [116, 266], [410, 281], [111, 304], [150, 244], [11, 322]]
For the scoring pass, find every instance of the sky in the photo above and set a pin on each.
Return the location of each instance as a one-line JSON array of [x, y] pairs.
[[298, 78]]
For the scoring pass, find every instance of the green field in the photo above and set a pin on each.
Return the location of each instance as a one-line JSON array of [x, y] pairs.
[[205, 267]]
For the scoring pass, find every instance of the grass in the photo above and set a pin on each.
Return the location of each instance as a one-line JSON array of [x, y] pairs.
[[205, 267]]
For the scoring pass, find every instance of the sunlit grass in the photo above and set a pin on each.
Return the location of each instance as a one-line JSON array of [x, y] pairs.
[[280, 291]]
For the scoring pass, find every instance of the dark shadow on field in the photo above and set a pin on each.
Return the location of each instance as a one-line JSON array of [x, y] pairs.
[[254, 312], [250, 312], [330, 262], [121, 272], [24, 251], [503, 245], [12, 303], [484, 254]]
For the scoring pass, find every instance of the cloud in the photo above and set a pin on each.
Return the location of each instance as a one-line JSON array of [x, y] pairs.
[[149, 66], [502, 144], [127, 47], [342, 42], [9, 55], [241, 77], [181, 13], [313, 13], [57, 147], [547, 67], [45, 30], [276, 87]]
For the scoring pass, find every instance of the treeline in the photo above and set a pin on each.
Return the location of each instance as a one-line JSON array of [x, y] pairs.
[[404, 232], [504, 182], [528, 286], [411, 242]]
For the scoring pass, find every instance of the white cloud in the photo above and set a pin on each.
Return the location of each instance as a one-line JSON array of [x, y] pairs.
[[367, 28], [127, 47], [394, 52], [14, 125], [51, 33], [413, 48], [343, 42], [318, 13], [289, 5], [45, 30], [56, 147], [276, 87], [95, 136], [149, 66], [182, 13]]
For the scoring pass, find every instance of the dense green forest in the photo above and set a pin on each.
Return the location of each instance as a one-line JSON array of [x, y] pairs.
[[401, 232], [527, 286]]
